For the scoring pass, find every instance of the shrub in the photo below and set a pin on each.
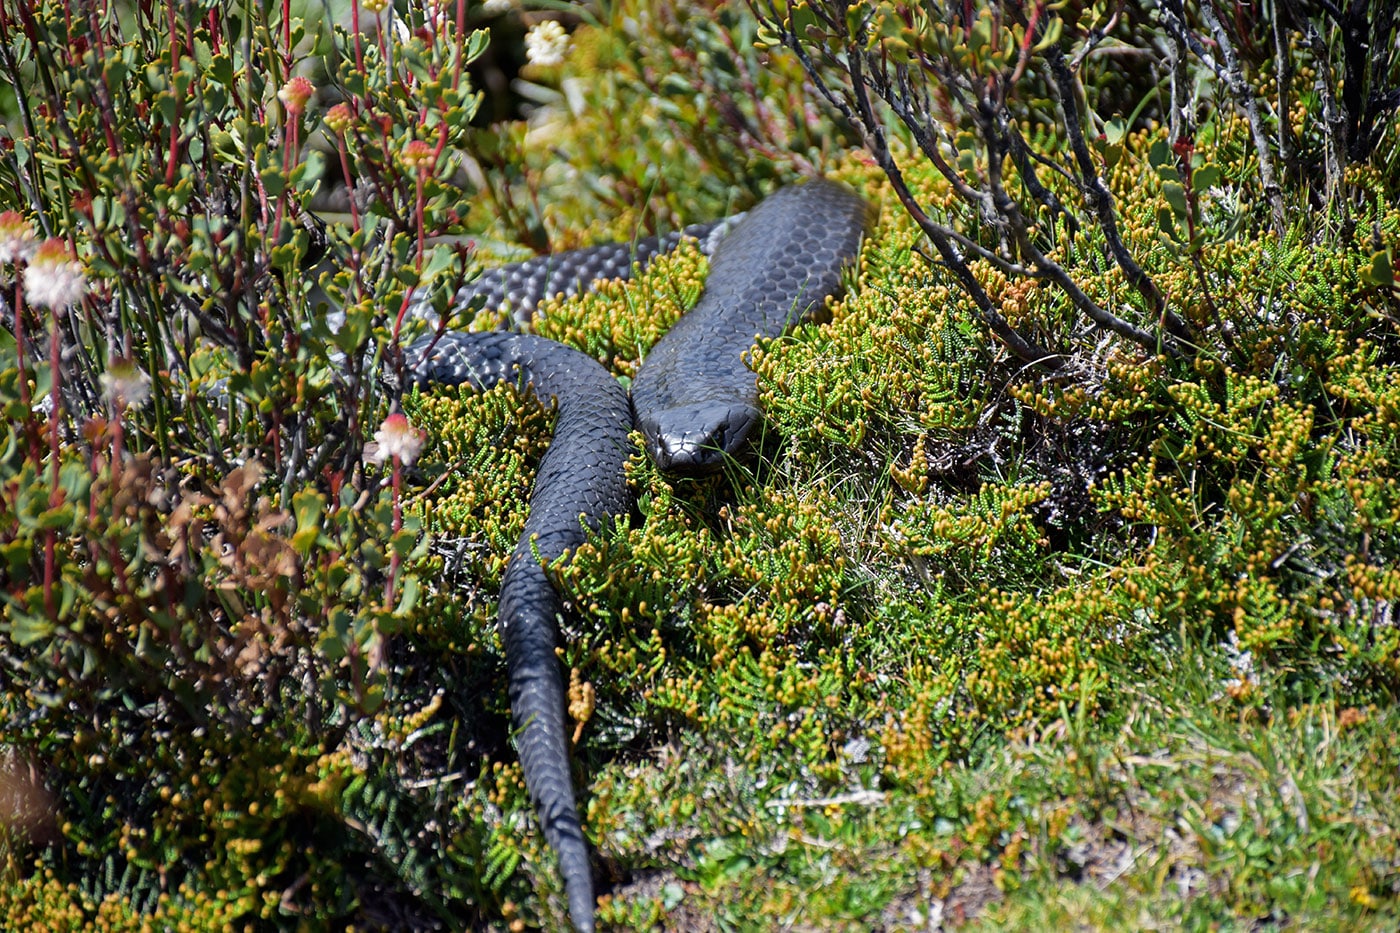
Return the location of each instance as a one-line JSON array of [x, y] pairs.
[[200, 570]]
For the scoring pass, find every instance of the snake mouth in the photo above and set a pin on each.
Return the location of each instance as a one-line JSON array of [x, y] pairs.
[[697, 439]]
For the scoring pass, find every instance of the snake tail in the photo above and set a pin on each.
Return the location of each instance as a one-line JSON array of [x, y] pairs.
[[579, 486]]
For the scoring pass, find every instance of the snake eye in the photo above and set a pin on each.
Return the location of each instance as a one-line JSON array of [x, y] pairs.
[[693, 440]]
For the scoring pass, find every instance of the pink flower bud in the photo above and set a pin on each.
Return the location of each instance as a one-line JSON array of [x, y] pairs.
[[340, 118], [418, 155], [295, 93]]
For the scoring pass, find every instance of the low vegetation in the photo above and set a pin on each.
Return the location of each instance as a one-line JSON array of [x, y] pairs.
[[1102, 637]]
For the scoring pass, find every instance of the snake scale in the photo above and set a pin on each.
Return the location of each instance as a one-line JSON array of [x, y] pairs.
[[694, 400]]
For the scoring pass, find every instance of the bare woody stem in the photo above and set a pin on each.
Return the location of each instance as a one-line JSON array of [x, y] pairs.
[[874, 134], [1099, 199], [903, 86], [1247, 101]]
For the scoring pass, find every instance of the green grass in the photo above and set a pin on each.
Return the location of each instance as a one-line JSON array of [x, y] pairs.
[[1177, 815]]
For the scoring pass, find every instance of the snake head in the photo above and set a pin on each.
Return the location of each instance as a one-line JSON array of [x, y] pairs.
[[695, 439]]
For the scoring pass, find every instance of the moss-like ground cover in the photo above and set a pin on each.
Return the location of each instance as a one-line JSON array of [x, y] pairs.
[[971, 643], [964, 642]]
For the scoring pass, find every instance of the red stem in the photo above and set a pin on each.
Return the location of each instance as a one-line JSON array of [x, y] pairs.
[[293, 125], [461, 38], [397, 525], [55, 492], [19, 345], [349, 183], [355, 28], [172, 156], [287, 37], [418, 215]]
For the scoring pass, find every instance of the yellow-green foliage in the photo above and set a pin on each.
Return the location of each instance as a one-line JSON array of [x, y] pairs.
[[887, 361], [44, 905], [921, 516], [668, 110], [874, 659], [488, 444]]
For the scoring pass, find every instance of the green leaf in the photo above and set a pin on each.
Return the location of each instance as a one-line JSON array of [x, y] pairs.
[[1053, 31], [273, 181], [75, 479], [14, 556], [373, 698], [52, 159], [1160, 155], [309, 507], [55, 519], [1176, 198], [287, 257], [409, 598], [116, 72], [1207, 176], [1166, 222], [226, 145], [26, 629], [221, 69], [804, 22], [981, 34], [1381, 271]]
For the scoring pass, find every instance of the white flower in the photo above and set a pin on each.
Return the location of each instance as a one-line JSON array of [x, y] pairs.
[[546, 43], [497, 7], [16, 237], [125, 384], [397, 438], [54, 279]]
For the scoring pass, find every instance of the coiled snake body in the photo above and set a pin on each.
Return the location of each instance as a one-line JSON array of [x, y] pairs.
[[694, 400]]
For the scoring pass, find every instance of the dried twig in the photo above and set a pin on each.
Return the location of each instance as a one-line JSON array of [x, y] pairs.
[[1248, 102]]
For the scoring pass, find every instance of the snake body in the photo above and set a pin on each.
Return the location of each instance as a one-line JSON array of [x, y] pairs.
[[695, 402], [580, 476], [521, 286]]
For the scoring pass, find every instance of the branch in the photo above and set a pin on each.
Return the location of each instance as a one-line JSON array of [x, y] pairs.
[[1024, 160], [1099, 199], [874, 134], [1283, 64], [1334, 158], [1246, 101]]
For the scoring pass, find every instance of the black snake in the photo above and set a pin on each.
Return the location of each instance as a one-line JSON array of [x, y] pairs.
[[693, 399]]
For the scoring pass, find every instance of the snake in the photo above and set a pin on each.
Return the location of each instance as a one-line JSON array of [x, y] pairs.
[[694, 400]]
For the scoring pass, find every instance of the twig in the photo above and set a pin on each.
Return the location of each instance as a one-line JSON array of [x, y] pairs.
[[1099, 199], [1246, 100], [860, 798]]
